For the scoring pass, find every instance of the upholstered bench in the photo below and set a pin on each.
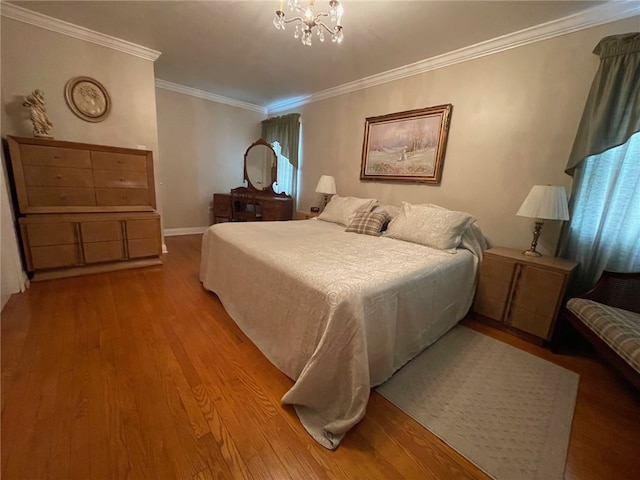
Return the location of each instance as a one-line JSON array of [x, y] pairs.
[[608, 316]]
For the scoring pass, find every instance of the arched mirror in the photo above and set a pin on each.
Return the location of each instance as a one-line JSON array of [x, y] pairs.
[[260, 166]]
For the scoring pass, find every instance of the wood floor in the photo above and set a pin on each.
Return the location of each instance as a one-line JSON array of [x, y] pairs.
[[141, 374]]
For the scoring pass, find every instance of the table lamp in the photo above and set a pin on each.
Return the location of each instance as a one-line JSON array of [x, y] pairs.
[[544, 202], [327, 186]]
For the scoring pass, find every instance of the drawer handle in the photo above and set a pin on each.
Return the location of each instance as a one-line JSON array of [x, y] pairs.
[[63, 196], [125, 197], [59, 176], [122, 179]]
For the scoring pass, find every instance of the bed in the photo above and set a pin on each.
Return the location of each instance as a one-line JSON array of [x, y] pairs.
[[337, 312]]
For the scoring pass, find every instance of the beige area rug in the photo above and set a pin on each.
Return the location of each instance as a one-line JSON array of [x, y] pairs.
[[507, 411]]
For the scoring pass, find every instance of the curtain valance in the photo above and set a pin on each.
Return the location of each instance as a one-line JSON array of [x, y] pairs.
[[612, 110], [286, 131]]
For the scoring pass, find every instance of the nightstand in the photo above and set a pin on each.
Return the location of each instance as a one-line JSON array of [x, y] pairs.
[[306, 215], [521, 293]]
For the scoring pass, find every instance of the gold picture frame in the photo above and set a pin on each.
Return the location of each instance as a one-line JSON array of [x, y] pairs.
[[87, 98], [406, 146]]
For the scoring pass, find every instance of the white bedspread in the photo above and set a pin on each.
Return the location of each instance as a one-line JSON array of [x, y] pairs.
[[337, 312]]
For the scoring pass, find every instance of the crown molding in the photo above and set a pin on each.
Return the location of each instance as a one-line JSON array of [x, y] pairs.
[[65, 28], [175, 87], [592, 17]]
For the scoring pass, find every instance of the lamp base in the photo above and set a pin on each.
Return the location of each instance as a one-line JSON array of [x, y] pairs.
[[532, 252]]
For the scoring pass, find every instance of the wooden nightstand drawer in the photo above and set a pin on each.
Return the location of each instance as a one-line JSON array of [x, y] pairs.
[[489, 307], [536, 290]]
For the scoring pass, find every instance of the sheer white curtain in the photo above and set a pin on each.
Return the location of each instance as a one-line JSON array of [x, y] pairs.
[[286, 179]]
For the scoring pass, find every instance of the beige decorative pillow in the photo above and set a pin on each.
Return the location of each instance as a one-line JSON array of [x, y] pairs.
[[369, 223], [429, 225], [342, 209], [392, 210]]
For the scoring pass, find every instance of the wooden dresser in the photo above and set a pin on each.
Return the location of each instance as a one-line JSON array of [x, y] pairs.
[[520, 292], [274, 207], [84, 208]]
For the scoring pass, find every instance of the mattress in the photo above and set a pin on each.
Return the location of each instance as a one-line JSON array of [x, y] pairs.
[[336, 312]]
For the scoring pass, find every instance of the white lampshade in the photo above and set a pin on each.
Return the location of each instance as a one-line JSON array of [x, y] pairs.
[[545, 202], [326, 185]]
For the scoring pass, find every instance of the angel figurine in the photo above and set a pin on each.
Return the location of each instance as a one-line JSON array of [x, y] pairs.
[[38, 114]]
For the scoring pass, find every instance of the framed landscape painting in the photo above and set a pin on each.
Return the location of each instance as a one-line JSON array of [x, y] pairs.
[[406, 146]]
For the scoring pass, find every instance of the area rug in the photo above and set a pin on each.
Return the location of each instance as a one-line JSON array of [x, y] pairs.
[[505, 410]]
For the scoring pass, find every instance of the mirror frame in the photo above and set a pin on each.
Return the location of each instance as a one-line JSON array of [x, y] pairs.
[[274, 169]]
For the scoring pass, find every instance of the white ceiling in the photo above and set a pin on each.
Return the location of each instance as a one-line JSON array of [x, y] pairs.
[[233, 50]]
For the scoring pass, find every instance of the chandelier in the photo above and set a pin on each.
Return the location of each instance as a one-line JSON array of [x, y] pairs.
[[306, 21]]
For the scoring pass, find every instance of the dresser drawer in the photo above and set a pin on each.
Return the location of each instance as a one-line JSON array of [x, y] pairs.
[[221, 205], [101, 231], [118, 161], [143, 247], [43, 234], [122, 196], [103, 251], [147, 228], [60, 196], [55, 156], [115, 179], [55, 256], [40, 176]]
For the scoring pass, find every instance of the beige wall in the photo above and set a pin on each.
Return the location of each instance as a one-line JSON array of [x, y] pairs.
[[33, 58], [515, 115], [202, 144]]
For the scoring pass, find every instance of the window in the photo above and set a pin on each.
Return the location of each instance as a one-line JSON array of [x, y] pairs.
[[604, 232], [286, 179]]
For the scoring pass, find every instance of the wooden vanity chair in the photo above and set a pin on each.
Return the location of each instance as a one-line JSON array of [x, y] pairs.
[[244, 207]]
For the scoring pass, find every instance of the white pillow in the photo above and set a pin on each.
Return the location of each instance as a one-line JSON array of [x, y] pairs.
[[429, 225], [342, 209], [392, 210]]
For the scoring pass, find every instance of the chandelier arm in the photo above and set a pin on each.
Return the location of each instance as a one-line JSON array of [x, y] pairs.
[[299, 19], [326, 27]]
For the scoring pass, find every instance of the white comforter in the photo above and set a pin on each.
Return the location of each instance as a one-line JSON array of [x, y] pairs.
[[337, 312]]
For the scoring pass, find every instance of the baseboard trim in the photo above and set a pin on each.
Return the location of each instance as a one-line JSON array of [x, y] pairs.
[[173, 232]]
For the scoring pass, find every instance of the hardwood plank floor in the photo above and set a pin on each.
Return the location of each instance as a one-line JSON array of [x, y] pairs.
[[141, 374]]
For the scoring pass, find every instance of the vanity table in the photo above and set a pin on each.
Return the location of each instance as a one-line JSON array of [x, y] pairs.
[[260, 173]]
